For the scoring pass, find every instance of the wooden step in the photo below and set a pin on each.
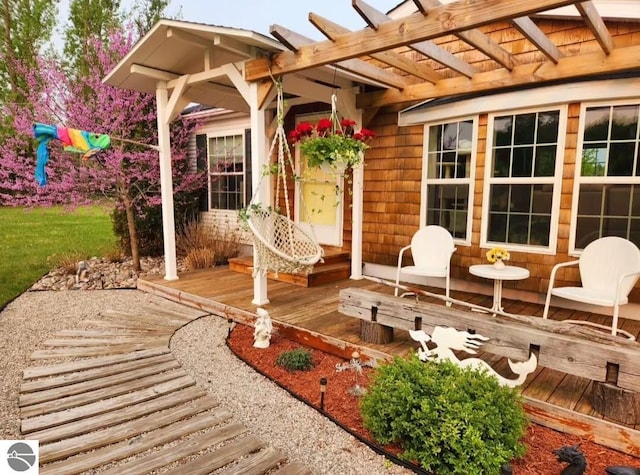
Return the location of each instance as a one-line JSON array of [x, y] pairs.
[[336, 266]]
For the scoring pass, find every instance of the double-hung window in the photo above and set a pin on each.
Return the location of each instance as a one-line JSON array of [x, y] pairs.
[[607, 184], [523, 179], [227, 172], [448, 177]]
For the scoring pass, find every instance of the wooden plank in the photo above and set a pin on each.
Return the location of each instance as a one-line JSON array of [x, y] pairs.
[[141, 327], [91, 351], [157, 321], [63, 368], [139, 367], [257, 464], [111, 435], [208, 462], [100, 421], [158, 459], [569, 391], [86, 397], [564, 347], [98, 333], [595, 23], [599, 431], [122, 450], [188, 315], [55, 419], [116, 340]]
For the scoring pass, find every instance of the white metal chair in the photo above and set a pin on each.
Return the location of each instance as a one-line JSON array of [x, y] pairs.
[[609, 269], [431, 250]]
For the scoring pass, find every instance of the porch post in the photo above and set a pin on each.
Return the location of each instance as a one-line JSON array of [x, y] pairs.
[[261, 185], [347, 100], [166, 183]]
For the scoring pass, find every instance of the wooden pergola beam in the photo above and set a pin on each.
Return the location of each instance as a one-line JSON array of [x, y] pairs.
[[530, 31], [375, 18], [446, 19], [570, 67], [594, 21], [298, 42], [475, 38], [421, 70]]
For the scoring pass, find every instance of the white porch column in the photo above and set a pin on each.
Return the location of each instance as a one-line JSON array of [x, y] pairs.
[[347, 101], [261, 185], [166, 183]]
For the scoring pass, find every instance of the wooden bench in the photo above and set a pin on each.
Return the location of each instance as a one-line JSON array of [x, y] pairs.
[[612, 362]]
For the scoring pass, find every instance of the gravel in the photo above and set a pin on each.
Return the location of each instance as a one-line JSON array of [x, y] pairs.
[[285, 423]]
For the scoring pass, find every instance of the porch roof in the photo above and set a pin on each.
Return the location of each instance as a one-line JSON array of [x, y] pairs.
[[173, 49]]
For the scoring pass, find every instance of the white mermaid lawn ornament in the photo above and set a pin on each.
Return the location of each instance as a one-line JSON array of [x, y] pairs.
[[262, 330], [448, 339]]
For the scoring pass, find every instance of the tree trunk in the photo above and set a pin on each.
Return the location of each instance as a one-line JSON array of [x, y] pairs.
[[133, 233]]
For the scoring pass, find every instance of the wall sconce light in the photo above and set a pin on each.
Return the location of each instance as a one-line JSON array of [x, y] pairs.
[[323, 390]]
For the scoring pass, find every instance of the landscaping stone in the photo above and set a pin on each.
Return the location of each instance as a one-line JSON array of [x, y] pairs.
[[98, 274]]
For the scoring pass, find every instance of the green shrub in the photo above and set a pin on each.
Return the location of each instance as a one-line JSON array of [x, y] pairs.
[[450, 420], [299, 359]]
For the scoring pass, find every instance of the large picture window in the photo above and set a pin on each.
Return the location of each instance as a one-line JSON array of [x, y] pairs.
[[227, 169], [523, 179], [608, 174], [448, 176]]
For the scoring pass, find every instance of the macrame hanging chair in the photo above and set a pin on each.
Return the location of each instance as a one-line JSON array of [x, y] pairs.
[[280, 244]]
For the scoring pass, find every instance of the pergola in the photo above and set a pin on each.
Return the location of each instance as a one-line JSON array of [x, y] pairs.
[[395, 59]]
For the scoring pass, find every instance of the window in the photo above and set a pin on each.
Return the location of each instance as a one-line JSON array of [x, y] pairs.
[[448, 176], [523, 179], [608, 174], [227, 170]]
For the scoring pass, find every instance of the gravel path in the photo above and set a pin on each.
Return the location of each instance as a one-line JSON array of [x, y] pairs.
[[268, 411]]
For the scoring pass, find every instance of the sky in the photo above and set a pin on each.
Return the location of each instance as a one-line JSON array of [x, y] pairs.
[[258, 15]]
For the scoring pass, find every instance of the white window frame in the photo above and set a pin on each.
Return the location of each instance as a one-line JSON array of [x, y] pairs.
[[555, 181], [469, 181], [219, 133], [579, 179]]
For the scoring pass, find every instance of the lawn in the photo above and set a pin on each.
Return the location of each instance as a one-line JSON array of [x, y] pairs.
[[34, 240]]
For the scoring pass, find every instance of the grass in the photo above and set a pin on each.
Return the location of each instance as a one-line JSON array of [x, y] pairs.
[[34, 240]]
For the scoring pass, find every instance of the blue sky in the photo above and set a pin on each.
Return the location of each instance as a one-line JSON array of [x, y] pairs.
[[258, 15]]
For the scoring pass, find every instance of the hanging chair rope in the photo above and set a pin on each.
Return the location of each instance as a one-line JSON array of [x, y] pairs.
[[280, 244]]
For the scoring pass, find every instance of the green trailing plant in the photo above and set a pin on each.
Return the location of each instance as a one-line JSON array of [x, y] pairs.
[[299, 359], [448, 419]]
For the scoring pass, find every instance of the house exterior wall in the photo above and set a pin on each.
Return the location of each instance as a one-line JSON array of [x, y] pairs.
[[393, 170]]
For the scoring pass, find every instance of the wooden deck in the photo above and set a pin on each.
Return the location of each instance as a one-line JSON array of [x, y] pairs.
[[553, 398], [112, 392]]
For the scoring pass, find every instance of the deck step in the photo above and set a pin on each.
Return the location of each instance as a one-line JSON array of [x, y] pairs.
[[336, 267]]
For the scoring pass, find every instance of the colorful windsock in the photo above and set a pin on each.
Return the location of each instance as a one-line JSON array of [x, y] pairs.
[[74, 140]]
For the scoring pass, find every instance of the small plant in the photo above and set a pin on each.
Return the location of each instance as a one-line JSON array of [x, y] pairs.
[[199, 258], [67, 261], [448, 419], [217, 242], [299, 359]]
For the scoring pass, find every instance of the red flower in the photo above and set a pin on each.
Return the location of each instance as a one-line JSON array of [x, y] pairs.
[[324, 127], [305, 129], [368, 134], [294, 136], [358, 136], [347, 123]]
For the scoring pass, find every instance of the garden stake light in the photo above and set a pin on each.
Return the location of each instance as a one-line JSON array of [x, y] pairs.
[[229, 327], [323, 390]]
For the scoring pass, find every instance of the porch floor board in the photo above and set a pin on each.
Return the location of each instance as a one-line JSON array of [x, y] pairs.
[[315, 309]]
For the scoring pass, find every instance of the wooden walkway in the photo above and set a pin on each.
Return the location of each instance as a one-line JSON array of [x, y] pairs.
[[111, 397], [553, 398]]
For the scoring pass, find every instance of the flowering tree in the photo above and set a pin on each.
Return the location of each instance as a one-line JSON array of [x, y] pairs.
[[128, 172]]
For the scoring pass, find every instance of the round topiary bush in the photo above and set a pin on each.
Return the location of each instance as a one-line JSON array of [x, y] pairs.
[[448, 419], [295, 360]]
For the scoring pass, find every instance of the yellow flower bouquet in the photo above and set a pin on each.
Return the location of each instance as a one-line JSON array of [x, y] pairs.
[[497, 254]]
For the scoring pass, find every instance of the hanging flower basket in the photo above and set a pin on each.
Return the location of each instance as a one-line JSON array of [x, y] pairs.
[[331, 145]]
